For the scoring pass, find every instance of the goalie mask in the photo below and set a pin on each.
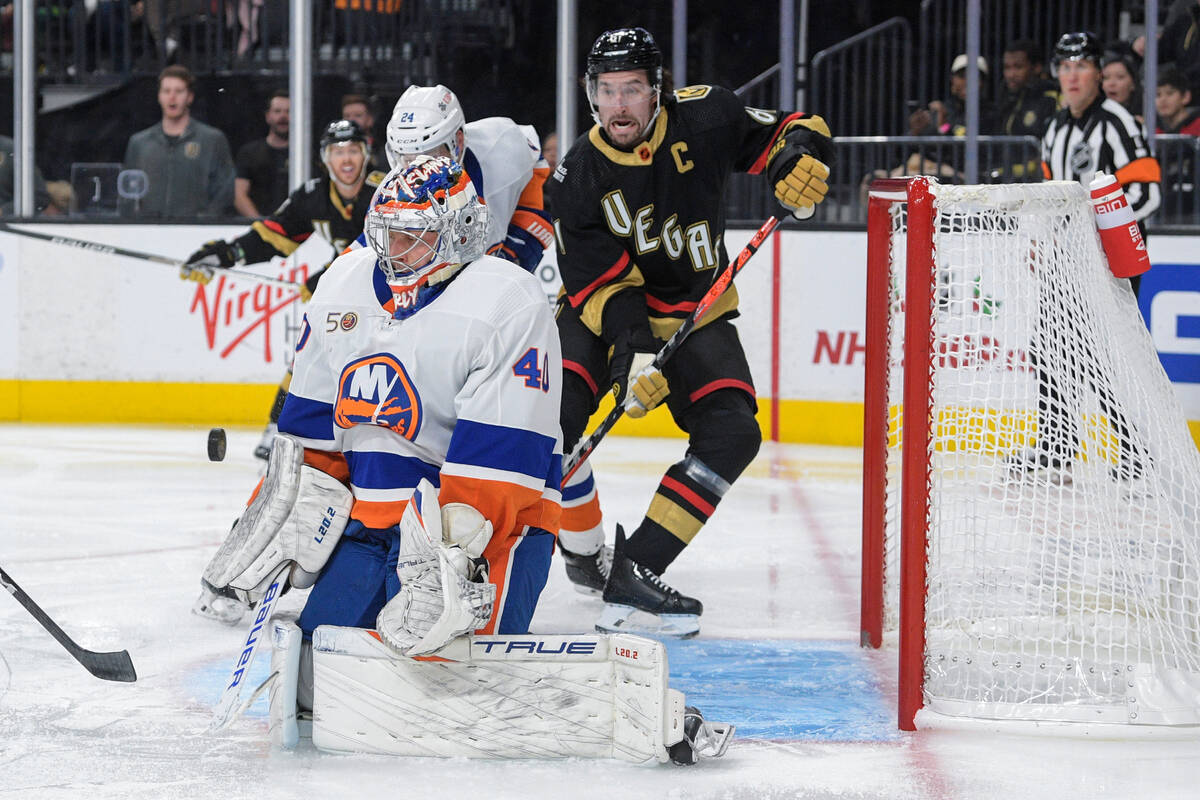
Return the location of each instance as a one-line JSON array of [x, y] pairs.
[[427, 120], [621, 50], [426, 221]]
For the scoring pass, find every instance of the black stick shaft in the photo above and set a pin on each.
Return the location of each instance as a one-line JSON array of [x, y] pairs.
[[116, 666], [110, 250], [718, 288]]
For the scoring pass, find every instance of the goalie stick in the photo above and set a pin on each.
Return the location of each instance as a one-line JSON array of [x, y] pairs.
[[110, 250], [719, 286], [117, 666], [228, 708]]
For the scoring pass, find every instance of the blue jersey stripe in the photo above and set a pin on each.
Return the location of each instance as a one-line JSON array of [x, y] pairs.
[[497, 447], [370, 470], [310, 419]]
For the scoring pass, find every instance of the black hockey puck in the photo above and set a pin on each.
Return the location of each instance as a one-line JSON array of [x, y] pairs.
[[216, 444]]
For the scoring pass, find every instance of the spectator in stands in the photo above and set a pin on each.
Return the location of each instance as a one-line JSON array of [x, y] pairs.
[[165, 19], [43, 202], [262, 165], [949, 117], [188, 167], [1173, 103], [1178, 42], [357, 109], [1030, 100], [1119, 81]]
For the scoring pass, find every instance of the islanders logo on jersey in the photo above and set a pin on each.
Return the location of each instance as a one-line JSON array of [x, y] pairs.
[[376, 390]]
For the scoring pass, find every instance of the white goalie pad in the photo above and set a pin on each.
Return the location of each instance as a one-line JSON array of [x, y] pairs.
[[526, 696], [298, 515], [443, 591]]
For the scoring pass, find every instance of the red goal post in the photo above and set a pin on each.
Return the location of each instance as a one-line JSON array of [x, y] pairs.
[[1013, 588]]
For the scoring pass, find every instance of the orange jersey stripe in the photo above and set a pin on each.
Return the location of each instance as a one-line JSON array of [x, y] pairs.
[[582, 518], [332, 464], [378, 515], [1140, 170], [510, 507], [531, 195], [1046, 171]]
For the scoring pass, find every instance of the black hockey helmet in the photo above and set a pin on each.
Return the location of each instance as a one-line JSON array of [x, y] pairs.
[[1076, 47], [625, 49], [342, 130], [339, 132]]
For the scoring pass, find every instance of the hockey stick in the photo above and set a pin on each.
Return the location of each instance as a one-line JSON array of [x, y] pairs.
[[228, 708], [718, 288], [116, 666], [109, 250]]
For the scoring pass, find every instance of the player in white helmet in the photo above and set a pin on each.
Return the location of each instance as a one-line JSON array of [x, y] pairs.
[[503, 159]]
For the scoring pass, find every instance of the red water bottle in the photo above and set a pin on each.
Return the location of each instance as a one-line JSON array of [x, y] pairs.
[[1119, 233]]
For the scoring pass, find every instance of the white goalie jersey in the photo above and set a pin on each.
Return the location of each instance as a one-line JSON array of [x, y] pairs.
[[464, 392]]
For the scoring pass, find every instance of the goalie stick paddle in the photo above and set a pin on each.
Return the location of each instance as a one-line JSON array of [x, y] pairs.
[[110, 250], [719, 286], [116, 666], [228, 708]]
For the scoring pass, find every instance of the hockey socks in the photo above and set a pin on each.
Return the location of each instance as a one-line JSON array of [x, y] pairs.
[[687, 496]]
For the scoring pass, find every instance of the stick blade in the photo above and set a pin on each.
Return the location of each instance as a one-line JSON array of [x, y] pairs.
[[116, 666]]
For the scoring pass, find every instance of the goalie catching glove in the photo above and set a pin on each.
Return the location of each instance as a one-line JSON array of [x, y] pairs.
[[215, 254], [444, 591], [297, 516], [798, 165], [637, 383]]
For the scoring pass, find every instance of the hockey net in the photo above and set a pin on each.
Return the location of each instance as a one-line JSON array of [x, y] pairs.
[[1023, 442]]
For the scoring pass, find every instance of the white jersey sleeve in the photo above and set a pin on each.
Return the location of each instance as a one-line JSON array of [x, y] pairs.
[[507, 154]]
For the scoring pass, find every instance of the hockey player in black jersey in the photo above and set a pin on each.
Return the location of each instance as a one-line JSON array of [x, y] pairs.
[[333, 206], [640, 228]]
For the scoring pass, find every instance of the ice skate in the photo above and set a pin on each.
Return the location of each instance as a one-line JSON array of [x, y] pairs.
[[588, 574], [639, 601], [701, 738]]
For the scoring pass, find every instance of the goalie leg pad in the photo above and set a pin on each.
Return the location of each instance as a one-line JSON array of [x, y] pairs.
[[298, 515], [282, 722], [512, 696]]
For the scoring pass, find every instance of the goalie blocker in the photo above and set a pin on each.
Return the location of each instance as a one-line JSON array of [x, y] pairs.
[[517, 696]]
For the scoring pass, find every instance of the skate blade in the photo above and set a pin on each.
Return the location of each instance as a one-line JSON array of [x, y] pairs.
[[587, 590], [627, 619]]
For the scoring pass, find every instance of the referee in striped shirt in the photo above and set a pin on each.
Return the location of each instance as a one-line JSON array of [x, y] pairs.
[[1094, 134], [1091, 134]]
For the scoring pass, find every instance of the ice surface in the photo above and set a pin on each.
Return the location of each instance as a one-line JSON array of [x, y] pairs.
[[108, 529]]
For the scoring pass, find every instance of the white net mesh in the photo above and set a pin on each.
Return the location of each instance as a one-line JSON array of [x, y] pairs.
[[1064, 523]]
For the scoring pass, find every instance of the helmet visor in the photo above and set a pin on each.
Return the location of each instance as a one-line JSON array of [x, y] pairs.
[[615, 90]]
